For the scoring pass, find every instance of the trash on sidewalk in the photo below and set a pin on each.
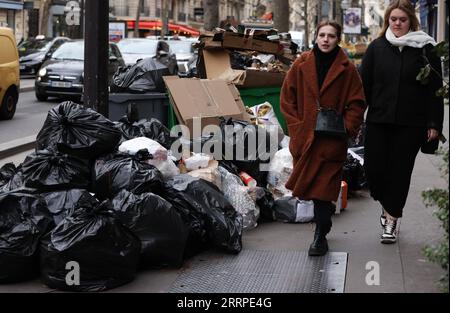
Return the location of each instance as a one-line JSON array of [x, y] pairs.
[[158, 225], [24, 219], [77, 130], [120, 171], [292, 210], [93, 239], [50, 171]]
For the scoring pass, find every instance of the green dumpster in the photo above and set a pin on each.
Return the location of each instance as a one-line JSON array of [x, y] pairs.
[[254, 96], [250, 97]]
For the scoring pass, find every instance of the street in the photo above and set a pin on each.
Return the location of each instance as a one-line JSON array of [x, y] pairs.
[[29, 118]]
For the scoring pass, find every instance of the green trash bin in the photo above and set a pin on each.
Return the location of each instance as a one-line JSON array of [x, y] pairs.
[[250, 97], [254, 96]]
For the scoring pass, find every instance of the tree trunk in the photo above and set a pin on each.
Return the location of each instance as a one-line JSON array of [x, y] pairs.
[[281, 15], [44, 12], [211, 17], [138, 17]]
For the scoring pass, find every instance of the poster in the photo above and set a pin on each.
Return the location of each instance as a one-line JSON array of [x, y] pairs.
[[352, 21], [117, 31]]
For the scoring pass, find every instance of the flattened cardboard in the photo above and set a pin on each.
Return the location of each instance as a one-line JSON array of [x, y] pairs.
[[247, 42], [204, 99]]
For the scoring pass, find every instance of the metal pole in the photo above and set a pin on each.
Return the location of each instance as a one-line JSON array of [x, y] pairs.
[[96, 56]]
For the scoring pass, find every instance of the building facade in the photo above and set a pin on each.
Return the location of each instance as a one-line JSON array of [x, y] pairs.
[[13, 15]]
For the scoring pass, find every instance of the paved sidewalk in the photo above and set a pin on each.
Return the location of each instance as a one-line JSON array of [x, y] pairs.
[[403, 268]]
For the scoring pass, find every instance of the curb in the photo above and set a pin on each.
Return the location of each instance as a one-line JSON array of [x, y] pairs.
[[26, 89], [17, 146]]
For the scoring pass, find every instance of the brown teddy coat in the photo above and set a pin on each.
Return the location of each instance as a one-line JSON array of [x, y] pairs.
[[318, 160]]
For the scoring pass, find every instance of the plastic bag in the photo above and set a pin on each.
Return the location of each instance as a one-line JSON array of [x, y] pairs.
[[24, 219], [132, 146], [280, 169], [239, 196], [106, 252], [245, 158], [158, 225], [197, 161], [63, 203], [48, 171], [266, 204], [143, 76], [79, 131], [119, 171], [292, 210], [16, 182], [211, 218], [157, 131], [353, 174], [7, 172]]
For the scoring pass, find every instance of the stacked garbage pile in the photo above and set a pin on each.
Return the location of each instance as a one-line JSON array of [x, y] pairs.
[[91, 196], [252, 58]]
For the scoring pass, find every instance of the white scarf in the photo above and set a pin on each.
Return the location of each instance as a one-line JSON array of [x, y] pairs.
[[416, 39]]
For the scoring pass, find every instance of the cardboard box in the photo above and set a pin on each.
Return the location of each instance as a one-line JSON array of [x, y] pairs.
[[218, 66], [204, 99], [249, 42]]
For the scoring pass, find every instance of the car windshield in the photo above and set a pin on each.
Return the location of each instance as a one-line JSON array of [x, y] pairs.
[[180, 46], [70, 51], [137, 46], [35, 45]]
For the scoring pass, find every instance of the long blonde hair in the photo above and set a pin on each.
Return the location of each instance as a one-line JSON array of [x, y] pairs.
[[405, 6]]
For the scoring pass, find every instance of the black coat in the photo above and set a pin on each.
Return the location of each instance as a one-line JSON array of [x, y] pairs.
[[393, 94]]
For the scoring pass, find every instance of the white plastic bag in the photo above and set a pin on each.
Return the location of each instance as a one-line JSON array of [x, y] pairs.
[[240, 197], [132, 146], [197, 161], [280, 169]]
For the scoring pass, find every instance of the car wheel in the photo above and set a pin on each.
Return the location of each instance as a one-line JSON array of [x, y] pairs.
[[41, 96], [9, 104]]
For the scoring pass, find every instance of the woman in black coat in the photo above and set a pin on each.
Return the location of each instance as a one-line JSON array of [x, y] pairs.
[[403, 113]]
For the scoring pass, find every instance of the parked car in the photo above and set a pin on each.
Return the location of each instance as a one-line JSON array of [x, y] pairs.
[[62, 75], [33, 52], [9, 74], [133, 49], [185, 55]]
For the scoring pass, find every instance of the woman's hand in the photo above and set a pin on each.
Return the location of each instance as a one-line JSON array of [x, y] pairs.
[[432, 134]]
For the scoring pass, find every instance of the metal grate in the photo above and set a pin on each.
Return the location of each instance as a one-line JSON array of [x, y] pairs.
[[257, 271]]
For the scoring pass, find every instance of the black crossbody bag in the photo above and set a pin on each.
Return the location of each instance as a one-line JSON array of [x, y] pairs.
[[329, 123]]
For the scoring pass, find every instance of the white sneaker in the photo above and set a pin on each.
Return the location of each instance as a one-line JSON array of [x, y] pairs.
[[389, 231]]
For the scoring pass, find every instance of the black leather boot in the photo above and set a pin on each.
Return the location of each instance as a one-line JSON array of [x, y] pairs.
[[319, 245]]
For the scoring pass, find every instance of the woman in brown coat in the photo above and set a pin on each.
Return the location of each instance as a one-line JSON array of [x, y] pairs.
[[322, 76]]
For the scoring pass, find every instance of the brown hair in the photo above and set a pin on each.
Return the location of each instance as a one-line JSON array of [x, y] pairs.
[[333, 24], [405, 6]]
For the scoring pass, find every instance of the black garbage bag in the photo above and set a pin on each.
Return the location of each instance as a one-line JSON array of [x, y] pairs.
[[106, 252], [16, 182], [158, 225], [63, 203], [79, 131], [7, 172], [212, 220], [157, 131], [353, 174], [24, 219], [120, 171], [239, 146], [143, 76], [266, 205], [50, 171]]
